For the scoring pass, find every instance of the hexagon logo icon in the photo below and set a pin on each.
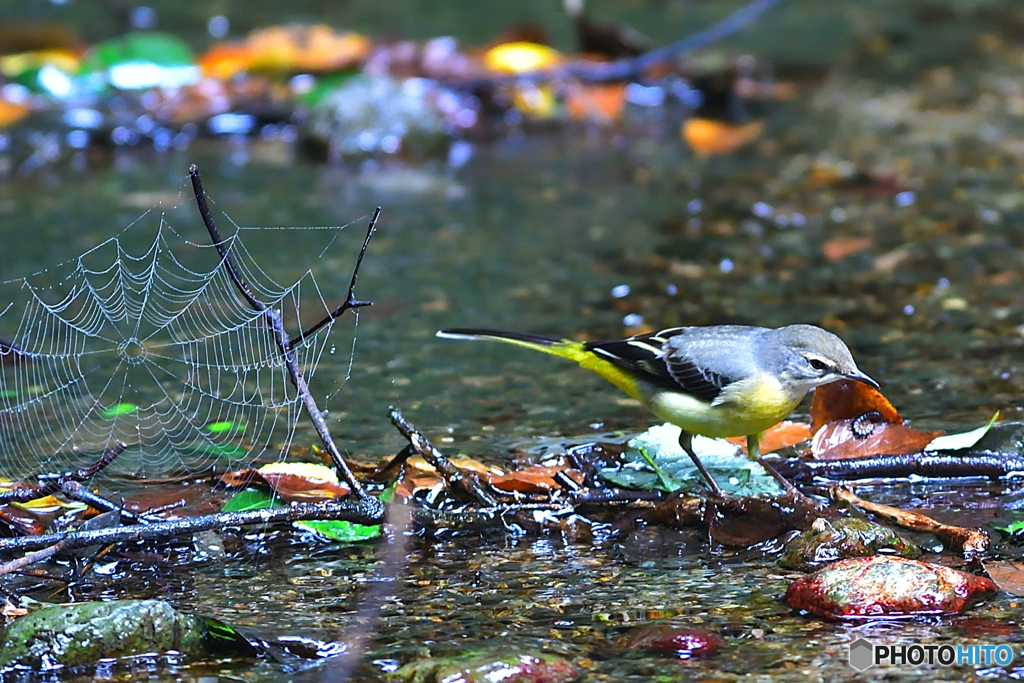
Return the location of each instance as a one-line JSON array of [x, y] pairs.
[[862, 654]]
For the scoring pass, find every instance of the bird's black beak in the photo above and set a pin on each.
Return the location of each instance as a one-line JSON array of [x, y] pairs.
[[858, 376]]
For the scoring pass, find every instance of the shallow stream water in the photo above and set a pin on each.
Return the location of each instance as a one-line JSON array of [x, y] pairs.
[[596, 232]]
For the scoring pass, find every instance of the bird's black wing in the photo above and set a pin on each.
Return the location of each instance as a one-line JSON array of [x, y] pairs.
[[645, 354]]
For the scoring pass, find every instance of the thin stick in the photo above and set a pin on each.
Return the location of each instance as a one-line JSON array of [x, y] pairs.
[[62, 482], [351, 511], [453, 476], [350, 299], [284, 344], [30, 558], [966, 541]]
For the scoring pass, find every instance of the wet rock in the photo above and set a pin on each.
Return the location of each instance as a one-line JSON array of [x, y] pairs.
[[73, 635], [883, 586], [498, 664], [684, 642], [828, 541]]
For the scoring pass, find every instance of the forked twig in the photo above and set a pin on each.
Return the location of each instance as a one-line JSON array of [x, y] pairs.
[[350, 300], [453, 476], [285, 345]]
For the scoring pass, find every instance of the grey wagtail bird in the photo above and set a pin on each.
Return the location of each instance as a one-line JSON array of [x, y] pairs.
[[719, 381]]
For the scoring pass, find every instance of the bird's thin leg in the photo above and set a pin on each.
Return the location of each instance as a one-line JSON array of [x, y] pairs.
[[684, 441], [754, 451]]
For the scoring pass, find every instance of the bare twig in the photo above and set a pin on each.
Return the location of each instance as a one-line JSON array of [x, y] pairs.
[[70, 484], [456, 479], [966, 541], [626, 69], [350, 299], [284, 344], [30, 558], [350, 511]]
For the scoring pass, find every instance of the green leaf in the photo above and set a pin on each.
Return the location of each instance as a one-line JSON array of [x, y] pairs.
[[1012, 528], [252, 499], [962, 441], [220, 427], [656, 462], [325, 86], [110, 412], [339, 530], [162, 49]]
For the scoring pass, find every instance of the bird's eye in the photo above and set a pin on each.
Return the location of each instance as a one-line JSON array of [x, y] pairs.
[[817, 364]]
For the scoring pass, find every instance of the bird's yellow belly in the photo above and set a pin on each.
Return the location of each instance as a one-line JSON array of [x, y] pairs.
[[747, 410]]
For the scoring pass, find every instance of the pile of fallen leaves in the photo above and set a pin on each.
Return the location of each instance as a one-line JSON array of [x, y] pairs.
[[347, 95]]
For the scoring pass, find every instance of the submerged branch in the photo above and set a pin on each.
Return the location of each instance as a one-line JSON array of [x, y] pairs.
[[966, 541], [360, 512], [932, 465], [284, 343]]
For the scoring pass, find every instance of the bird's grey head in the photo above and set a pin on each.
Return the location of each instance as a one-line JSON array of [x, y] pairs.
[[811, 357]]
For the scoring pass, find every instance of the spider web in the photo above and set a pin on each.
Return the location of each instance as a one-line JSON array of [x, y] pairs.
[[145, 339]]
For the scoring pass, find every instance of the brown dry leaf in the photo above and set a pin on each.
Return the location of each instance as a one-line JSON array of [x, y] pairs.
[[292, 481], [853, 420], [836, 250], [848, 400], [534, 479], [412, 482], [1007, 574], [10, 611], [21, 521], [840, 440]]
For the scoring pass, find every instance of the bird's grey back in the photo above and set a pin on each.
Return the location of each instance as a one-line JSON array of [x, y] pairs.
[[730, 351]]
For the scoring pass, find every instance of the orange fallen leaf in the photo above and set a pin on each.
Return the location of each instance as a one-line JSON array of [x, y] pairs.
[[847, 400], [784, 434], [709, 137], [302, 47], [852, 420], [838, 249], [11, 112], [225, 60], [596, 102], [534, 479]]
